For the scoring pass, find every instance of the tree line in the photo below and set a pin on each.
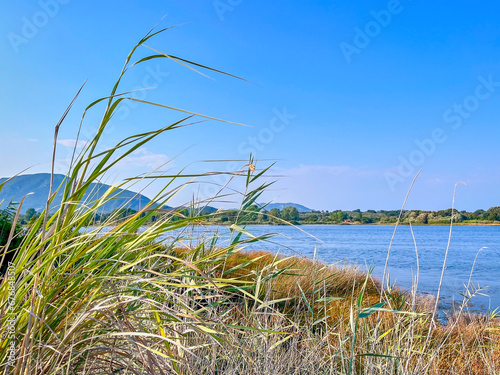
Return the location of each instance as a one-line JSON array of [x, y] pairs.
[[292, 215], [259, 215]]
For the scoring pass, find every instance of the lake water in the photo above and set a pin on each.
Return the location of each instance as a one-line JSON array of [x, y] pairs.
[[367, 246]]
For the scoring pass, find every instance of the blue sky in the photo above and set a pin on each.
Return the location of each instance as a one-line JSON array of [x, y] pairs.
[[350, 98]]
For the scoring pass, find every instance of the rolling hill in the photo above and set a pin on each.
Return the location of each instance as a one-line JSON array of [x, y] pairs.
[[280, 206], [38, 184]]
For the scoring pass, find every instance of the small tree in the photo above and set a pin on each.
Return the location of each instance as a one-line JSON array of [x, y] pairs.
[[275, 214], [341, 216], [30, 212], [290, 214]]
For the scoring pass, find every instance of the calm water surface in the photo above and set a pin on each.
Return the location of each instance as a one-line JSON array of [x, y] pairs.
[[367, 246]]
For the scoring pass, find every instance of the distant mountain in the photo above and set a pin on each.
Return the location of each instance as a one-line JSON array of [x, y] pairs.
[[207, 210], [280, 206], [38, 184]]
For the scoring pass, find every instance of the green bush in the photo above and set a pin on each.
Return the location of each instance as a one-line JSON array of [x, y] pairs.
[[6, 223]]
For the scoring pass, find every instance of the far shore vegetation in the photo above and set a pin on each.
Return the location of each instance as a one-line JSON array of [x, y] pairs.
[[260, 216], [415, 217]]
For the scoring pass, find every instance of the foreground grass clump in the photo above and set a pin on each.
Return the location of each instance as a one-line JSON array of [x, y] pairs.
[[123, 298], [308, 312]]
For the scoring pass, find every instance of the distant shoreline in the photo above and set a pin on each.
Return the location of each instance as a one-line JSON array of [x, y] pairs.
[[364, 225]]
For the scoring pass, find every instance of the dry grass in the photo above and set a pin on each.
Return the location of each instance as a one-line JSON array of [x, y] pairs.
[[320, 331]]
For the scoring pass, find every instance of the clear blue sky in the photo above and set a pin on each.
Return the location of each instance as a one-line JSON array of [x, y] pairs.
[[341, 92]]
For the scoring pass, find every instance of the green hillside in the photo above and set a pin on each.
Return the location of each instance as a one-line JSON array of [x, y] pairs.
[[38, 184]]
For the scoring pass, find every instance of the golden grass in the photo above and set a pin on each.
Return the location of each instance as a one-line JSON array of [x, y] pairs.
[[465, 344]]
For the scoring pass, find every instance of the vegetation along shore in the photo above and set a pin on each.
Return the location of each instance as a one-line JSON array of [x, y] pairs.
[[259, 215]]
